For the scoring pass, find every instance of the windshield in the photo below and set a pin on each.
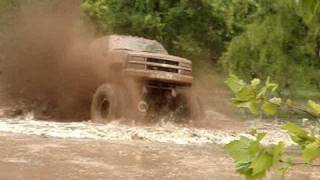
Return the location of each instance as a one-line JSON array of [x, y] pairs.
[[136, 44]]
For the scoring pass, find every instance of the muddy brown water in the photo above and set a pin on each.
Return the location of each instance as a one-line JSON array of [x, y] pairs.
[[30, 157], [52, 151]]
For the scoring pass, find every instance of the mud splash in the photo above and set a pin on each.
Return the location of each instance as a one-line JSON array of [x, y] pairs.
[[46, 61], [114, 132], [47, 66]]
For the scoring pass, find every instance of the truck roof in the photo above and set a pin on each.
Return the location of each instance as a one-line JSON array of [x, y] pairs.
[[133, 43]]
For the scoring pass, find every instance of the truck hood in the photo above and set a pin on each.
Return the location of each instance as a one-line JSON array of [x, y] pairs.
[[159, 56]]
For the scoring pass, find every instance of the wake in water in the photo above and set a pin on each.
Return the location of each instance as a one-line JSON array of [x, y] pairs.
[[161, 133]]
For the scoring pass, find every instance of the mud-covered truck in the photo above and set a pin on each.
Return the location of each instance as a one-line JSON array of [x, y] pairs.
[[142, 78]]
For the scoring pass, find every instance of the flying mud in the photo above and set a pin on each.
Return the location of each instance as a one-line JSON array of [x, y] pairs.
[[46, 66]]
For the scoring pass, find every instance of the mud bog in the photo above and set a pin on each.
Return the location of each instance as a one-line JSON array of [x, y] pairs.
[[28, 157], [49, 150], [48, 73]]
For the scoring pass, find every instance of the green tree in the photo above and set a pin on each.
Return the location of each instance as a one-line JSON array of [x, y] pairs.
[[276, 44], [310, 12], [185, 27]]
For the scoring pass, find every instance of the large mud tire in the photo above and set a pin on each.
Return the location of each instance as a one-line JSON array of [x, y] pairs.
[[106, 104]]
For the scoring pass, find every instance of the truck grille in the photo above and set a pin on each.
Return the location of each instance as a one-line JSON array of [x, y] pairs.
[[162, 61], [155, 61], [166, 69], [162, 65]]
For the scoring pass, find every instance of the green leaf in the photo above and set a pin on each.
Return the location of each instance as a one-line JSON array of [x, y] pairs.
[[243, 168], [262, 163], [269, 108], [251, 158], [235, 84], [296, 130], [267, 89], [309, 9], [252, 106], [272, 86], [262, 92], [301, 141], [311, 152], [283, 170], [246, 93], [239, 150], [260, 136], [277, 152], [314, 107], [299, 135]]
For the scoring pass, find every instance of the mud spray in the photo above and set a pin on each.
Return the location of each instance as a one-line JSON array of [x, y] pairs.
[[46, 66], [46, 63]]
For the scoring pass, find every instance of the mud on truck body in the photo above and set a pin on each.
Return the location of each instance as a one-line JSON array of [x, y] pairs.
[[142, 78]]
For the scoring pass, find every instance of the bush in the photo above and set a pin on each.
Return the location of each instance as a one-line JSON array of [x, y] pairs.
[[275, 44]]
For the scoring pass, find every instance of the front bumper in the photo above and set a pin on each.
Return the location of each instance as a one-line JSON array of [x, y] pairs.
[[160, 76]]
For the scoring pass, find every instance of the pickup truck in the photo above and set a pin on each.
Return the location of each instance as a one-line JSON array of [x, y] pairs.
[[141, 78]]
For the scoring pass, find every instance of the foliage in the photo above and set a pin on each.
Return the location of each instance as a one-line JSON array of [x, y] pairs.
[[254, 160], [310, 12], [254, 96], [189, 28], [309, 143], [180, 25], [261, 98], [277, 43]]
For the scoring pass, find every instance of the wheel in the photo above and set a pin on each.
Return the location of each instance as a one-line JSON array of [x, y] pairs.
[[106, 104]]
